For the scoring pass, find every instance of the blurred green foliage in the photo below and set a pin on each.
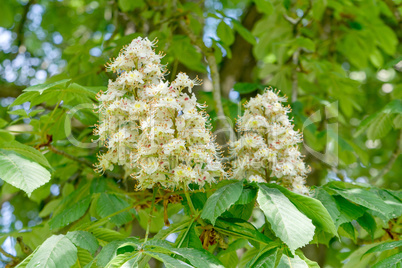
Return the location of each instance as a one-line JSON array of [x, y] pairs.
[[340, 63]]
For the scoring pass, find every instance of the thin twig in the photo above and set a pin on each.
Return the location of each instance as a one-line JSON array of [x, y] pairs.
[[295, 81], [296, 22], [150, 214], [376, 180], [8, 255], [189, 202], [69, 156], [20, 29]]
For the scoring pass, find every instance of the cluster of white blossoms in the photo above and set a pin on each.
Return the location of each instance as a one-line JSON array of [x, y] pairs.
[[158, 133], [267, 150]]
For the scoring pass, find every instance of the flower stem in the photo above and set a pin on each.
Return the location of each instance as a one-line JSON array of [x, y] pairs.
[[189, 202], [150, 214]]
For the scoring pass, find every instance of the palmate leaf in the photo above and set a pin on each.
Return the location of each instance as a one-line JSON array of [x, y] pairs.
[[287, 222], [22, 172], [56, 252], [221, 200], [365, 198], [312, 208]]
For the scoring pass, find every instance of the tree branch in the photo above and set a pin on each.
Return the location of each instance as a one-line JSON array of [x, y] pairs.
[[20, 29], [391, 161], [69, 156], [210, 57]]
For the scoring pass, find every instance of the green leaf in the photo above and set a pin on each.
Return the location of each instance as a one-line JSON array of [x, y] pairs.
[[108, 204], [7, 16], [189, 238], [288, 262], [312, 208], [247, 195], [56, 252], [328, 201], [249, 37], [304, 42], [230, 259], [84, 257], [198, 258], [26, 151], [25, 262], [349, 231], [167, 260], [380, 126], [49, 208], [287, 222], [386, 38], [241, 228], [40, 88], [310, 263], [157, 222], [357, 260], [105, 235], [221, 200], [394, 107], [6, 136], [368, 223], [108, 252], [265, 260], [245, 88], [384, 246], [186, 53], [84, 240], [225, 33], [349, 211], [264, 6], [128, 5], [22, 172], [243, 212], [70, 214], [392, 261], [174, 228], [124, 260], [69, 92]]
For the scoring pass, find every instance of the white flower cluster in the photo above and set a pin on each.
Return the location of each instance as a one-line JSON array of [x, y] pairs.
[[267, 151], [157, 132]]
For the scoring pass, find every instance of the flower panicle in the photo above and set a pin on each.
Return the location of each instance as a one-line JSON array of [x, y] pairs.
[[268, 150], [156, 131]]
